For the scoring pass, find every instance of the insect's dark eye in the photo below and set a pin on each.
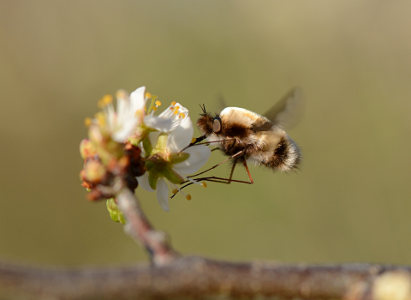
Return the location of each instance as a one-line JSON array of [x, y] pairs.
[[216, 125]]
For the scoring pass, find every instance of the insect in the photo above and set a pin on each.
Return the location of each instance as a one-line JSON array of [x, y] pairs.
[[244, 136]]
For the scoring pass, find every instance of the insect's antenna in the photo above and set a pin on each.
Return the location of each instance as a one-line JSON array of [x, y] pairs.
[[203, 108]]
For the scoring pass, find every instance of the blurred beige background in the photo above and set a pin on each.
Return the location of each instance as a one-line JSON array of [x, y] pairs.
[[351, 200]]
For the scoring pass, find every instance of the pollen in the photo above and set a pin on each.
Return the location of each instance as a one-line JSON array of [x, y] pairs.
[[176, 109], [87, 122], [188, 197], [157, 103], [182, 115], [101, 119], [148, 95], [173, 103], [106, 100], [203, 184], [121, 94]]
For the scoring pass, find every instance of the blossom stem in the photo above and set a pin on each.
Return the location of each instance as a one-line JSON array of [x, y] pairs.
[[140, 229]]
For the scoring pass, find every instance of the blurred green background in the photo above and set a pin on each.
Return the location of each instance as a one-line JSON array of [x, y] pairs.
[[351, 200]]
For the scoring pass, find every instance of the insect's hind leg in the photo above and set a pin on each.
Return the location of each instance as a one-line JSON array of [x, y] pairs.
[[248, 172], [219, 164]]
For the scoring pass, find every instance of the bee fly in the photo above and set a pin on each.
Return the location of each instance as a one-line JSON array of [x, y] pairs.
[[245, 135]]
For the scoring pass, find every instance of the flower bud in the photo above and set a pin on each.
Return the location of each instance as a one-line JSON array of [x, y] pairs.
[[94, 171], [87, 149]]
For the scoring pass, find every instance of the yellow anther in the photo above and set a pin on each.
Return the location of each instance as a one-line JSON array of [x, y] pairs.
[[148, 95], [182, 115], [157, 103], [87, 121], [203, 184], [173, 103], [139, 113], [101, 119], [106, 100], [176, 110], [188, 197], [154, 108], [121, 94], [174, 191]]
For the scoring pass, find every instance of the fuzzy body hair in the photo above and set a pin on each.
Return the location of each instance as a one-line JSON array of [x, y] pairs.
[[261, 140]]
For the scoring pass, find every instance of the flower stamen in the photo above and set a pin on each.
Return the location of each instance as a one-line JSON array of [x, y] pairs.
[[101, 119], [121, 94], [106, 100], [87, 122]]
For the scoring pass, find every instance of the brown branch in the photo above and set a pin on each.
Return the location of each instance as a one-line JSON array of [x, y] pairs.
[[140, 229], [176, 277], [195, 277]]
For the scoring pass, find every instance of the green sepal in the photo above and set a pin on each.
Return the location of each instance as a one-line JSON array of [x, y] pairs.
[[148, 148], [134, 141], [179, 157], [161, 145], [115, 214], [172, 175], [153, 176]]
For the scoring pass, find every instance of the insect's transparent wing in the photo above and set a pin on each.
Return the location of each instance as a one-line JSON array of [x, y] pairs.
[[221, 102], [287, 112]]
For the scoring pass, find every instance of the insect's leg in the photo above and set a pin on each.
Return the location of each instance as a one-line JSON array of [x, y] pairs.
[[232, 170], [210, 179], [221, 180], [239, 153], [248, 171]]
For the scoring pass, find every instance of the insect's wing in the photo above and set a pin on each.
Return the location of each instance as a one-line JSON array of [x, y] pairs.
[[287, 112], [221, 102]]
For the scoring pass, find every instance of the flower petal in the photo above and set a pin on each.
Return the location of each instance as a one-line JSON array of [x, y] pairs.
[[181, 136], [159, 123], [162, 194], [169, 119], [143, 182], [199, 155], [125, 131], [123, 105], [137, 99]]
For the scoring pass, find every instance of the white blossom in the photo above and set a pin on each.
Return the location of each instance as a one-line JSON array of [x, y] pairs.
[[123, 121], [174, 125]]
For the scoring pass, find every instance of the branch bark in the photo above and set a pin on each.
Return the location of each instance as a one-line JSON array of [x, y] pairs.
[[141, 230], [196, 277]]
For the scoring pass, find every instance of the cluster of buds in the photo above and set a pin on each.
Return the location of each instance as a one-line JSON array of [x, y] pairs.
[[103, 178], [130, 145]]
